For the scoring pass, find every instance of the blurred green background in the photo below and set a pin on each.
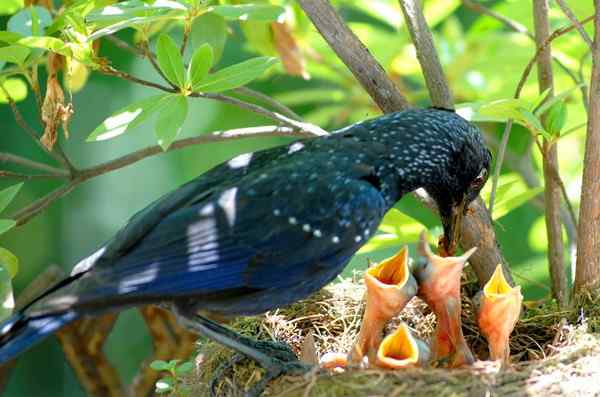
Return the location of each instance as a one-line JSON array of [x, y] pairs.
[[483, 61]]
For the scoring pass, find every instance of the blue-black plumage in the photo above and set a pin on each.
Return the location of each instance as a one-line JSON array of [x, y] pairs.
[[266, 229]]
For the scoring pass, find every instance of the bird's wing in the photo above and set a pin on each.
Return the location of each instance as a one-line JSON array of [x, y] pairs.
[[194, 191], [270, 230]]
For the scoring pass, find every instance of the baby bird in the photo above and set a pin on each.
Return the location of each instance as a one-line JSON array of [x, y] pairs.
[[439, 287], [498, 309]]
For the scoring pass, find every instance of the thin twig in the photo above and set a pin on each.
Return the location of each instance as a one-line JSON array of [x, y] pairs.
[[524, 76], [517, 27], [567, 11], [275, 104], [27, 213], [422, 39], [498, 166], [22, 161], [26, 177], [311, 128], [27, 128], [186, 35], [315, 130], [355, 55]]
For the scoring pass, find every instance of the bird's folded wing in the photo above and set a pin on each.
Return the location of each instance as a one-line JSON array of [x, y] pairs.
[[267, 232]]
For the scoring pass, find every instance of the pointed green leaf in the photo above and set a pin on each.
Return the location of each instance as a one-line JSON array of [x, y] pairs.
[[557, 98], [6, 225], [159, 365], [126, 118], [7, 195], [169, 60], [9, 37], [250, 12], [200, 65], [184, 368], [212, 30], [531, 121], [9, 261], [556, 118], [14, 53], [173, 112], [235, 75]]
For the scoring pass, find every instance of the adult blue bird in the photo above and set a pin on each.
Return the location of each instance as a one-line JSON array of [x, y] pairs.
[[266, 229]]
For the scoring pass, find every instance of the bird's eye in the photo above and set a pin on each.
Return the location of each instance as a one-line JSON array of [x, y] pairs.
[[480, 179]]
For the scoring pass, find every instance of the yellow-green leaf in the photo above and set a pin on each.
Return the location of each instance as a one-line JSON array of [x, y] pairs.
[[235, 76], [9, 261], [173, 112], [200, 65]]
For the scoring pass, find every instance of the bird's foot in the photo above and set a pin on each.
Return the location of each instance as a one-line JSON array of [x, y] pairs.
[[282, 361], [275, 358]]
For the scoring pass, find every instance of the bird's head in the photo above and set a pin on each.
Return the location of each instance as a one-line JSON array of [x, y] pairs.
[[463, 175]]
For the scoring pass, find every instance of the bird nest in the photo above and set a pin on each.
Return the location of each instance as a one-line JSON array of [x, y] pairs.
[[557, 352]]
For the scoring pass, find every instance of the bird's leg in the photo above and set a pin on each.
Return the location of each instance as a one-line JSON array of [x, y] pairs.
[[274, 357]]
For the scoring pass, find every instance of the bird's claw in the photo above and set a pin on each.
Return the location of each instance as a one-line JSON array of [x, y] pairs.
[[282, 361]]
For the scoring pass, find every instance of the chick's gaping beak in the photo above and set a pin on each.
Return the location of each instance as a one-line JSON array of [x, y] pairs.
[[452, 223]]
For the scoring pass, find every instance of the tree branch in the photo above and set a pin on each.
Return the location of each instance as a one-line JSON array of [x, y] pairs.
[[307, 127], [22, 161], [552, 192], [355, 55], [26, 214], [437, 84], [587, 277], [567, 11]]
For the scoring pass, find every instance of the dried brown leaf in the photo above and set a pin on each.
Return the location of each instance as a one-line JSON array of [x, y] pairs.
[[287, 47]]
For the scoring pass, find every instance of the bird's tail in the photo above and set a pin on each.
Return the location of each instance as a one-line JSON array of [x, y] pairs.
[[20, 332]]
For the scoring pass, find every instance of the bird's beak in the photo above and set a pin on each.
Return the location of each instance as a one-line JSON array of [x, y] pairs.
[[452, 227], [390, 286], [401, 350], [498, 313], [439, 287]]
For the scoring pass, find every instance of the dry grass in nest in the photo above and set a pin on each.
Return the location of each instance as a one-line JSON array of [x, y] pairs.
[[333, 318]]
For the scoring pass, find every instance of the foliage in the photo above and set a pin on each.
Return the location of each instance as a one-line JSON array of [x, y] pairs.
[[201, 56], [172, 383]]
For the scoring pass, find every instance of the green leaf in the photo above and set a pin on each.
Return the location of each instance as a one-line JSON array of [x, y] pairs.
[[6, 225], [169, 60], [539, 100], [200, 64], [531, 121], [184, 368], [159, 365], [47, 43], [504, 109], [557, 98], [126, 118], [9, 7], [173, 112], [556, 118], [115, 17], [7, 195], [235, 75], [9, 261], [210, 29], [9, 37], [250, 12], [14, 53], [7, 302], [503, 207], [15, 87], [30, 22]]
